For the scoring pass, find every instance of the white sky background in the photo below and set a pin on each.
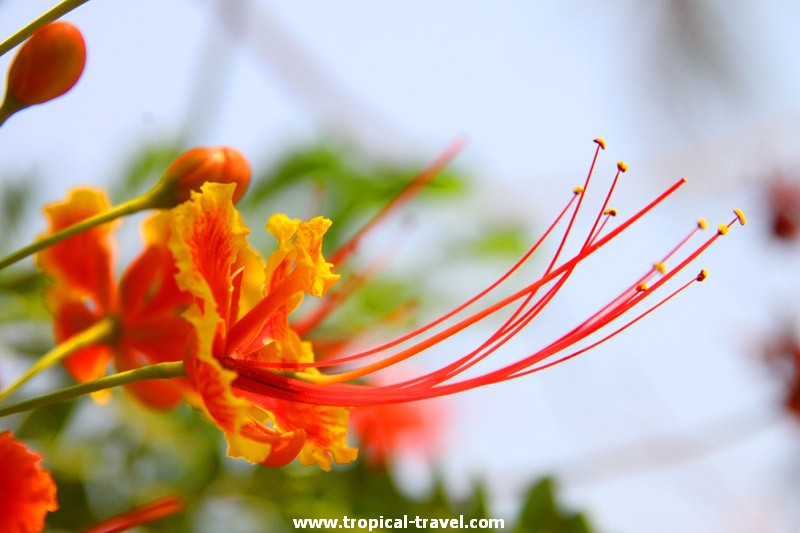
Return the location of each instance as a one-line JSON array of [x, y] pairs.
[[530, 85]]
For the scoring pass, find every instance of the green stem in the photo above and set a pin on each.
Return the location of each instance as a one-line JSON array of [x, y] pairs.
[[128, 208], [157, 371], [97, 333], [58, 11]]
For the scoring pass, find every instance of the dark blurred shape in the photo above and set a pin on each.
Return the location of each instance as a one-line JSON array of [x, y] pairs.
[[782, 354], [695, 59], [783, 197]]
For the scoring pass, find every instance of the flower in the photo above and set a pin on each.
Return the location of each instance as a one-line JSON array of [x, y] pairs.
[[27, 492], [143, 310], [48, 65], [240, 310], [258, 380], [303, 382]]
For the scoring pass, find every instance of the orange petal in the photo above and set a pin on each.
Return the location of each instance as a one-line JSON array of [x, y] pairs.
[[148, 286], [69, 318], [27, 491], [83, 263], [151, 303], [284, 446], [325, 429]]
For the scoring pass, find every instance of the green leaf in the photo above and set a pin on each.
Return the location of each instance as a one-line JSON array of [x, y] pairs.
[[541, 513]]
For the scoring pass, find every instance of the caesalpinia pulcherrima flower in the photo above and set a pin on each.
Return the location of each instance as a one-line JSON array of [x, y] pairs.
[[240, 310], [257, 379], [27, 491], [48, 65]]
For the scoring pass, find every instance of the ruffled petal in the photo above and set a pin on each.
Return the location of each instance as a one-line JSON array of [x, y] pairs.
[[207, 235], [300, 249], [27, 491], [83, 263]]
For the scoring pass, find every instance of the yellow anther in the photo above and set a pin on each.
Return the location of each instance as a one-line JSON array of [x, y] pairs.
[[702, 223], [601, 143], [660, 267], [740, 216], [622, 166], [722, 229], [578, 190], [641, 287], [702, 275], [610, 212]]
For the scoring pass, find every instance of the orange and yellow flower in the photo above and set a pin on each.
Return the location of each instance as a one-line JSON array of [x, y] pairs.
[[27, 491], [240, 311], [145, 307]]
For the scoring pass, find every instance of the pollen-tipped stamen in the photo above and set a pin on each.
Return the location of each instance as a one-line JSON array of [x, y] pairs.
[[621, 168]]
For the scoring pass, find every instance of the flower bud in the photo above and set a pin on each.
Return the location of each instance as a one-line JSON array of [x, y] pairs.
[[47, 65], [197, 166]]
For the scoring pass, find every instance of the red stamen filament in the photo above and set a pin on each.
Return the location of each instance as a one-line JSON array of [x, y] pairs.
[[409, 191]]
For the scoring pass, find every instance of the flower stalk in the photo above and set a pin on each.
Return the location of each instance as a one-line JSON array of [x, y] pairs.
[[158, 371], [101, 331], [130, 207], [53, 14]]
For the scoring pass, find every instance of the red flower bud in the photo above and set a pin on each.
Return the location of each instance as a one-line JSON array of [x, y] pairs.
[[47, 65], [197, 166]]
